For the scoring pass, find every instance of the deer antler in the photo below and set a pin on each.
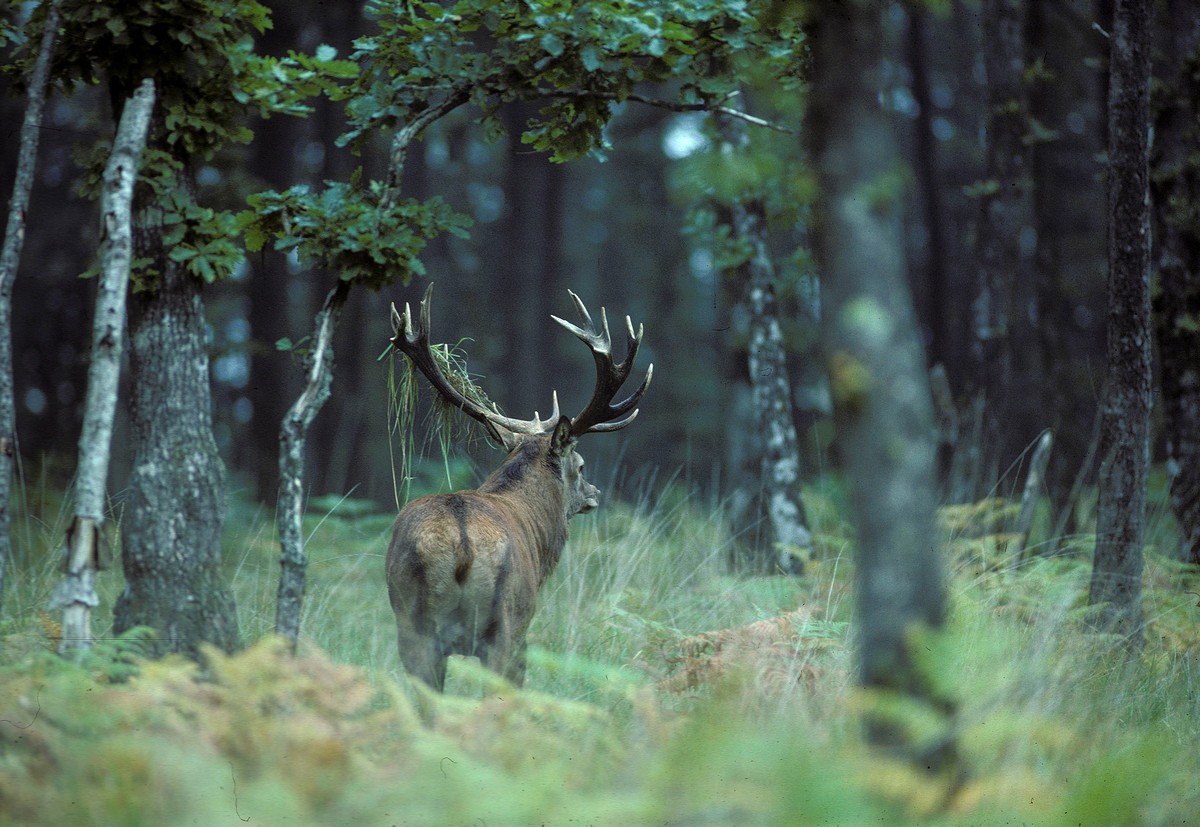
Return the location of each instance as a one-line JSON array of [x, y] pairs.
[[413, 341], [600, 414]]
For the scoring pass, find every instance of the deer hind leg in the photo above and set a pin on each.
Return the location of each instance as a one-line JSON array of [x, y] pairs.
[[504, 654], [422, 656], [514, 666]]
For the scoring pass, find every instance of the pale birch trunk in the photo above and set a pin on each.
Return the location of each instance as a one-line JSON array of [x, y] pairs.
[[76, 593], [293, 432], [790, 541]]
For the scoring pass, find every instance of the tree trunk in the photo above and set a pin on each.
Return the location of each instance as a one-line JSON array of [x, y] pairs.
[[76, 593], [937, 312], [882, 405], [171, 547], [1125, 429], [1069, 106], [1175, 183], [528, 268], [1005, 221], [788, 543], [293, 435], [10, 260]]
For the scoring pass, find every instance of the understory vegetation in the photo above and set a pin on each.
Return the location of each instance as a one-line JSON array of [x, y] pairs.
[[661, 690]]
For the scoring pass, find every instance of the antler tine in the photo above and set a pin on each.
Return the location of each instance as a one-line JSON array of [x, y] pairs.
[[600, 415], [413, 342]]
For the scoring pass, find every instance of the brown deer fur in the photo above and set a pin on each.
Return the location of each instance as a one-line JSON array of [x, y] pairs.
[[464, 569]]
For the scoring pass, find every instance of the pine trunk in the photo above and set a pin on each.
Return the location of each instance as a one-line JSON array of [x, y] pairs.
[[1005, 220], [1125, 427], [1175, 183]]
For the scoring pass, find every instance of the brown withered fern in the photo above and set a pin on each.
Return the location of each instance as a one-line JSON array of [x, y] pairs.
[[775, 655]]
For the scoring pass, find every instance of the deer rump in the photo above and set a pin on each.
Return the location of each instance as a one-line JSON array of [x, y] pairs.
[[463, 569]]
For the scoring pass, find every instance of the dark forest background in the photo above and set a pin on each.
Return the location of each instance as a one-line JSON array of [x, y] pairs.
[[615, 231]]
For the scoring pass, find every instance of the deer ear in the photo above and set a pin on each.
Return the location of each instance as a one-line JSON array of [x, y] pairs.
[[561, 440]]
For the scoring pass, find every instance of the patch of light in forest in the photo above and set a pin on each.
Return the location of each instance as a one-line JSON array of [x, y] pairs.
[[232, 369], [243, 410], [437, 152], [237, 330], [35, 401], [942, 128], [900, 99], [942, 95], [684, 136], [1027, 240], [701, 264], [208, 176], [313, 155], [487, 202]]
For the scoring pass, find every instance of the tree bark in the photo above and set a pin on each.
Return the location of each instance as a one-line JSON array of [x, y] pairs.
[[1070, 106], [1005, 220], [76, 593], [532, 238], [171, 540], [789, 541], [1125, 429], [1175, 184], [937, 312], [882, 405], [10, 260], [293, 435], [1029, 497]]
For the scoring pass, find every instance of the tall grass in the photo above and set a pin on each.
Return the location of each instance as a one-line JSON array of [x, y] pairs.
[[661, 690]]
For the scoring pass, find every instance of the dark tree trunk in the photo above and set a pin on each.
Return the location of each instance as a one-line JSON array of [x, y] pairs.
[[171, 531], [10, 259], [527, 267], [937, 312], [1175, 183], [270, 287], [1069, 107], [882, 404], [1125, 428], [1005, 222]]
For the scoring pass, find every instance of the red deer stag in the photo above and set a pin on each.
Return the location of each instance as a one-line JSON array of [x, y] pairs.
[[464, 569]]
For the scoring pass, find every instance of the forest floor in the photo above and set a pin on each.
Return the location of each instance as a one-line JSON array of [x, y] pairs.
[[661, 691]]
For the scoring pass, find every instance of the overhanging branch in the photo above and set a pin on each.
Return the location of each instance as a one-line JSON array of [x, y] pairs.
[[672, 106]]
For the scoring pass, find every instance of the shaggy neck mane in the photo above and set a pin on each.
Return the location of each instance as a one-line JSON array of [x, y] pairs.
[[531, 479]]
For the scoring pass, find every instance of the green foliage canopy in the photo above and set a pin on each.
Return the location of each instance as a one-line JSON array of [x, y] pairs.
[[423, 61], [427, 59]]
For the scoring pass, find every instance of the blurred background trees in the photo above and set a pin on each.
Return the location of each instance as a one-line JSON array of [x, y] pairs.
[[627, 228]]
